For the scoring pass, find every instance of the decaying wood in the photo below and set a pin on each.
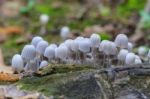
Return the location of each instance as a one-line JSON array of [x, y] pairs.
[[137, 70]]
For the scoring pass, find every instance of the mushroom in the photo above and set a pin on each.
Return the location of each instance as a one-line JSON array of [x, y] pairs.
[[29, 56], [44, 18], [121, 41], [130, 58], [50, 52], [130, 46], [65, 32], [40, 49], [142, 51], [122, 55], [43, 64], [138, 60], [36, 40], [85, 47], [17, 63], [61, 53]]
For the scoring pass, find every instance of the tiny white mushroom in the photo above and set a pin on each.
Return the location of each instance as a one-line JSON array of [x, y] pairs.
[[142, 51], [113, 48], [121, 41], [122, 55], [44, 18], [61, 52], [138, 61], [36, 40], [50, 52], [65, 32], [42, 45], [130, 46], [101, 46], [28, 53], [95, 40], [85, 45], [17, 63], [130, 59], [43, 64]]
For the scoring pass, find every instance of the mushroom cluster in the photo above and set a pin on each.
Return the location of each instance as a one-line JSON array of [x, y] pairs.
[[80, 50]]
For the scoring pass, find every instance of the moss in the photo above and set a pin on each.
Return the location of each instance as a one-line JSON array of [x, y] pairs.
[[50, 84], [61, 68]]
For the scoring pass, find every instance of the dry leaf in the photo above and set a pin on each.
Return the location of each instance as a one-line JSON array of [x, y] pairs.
[[11, 30], [8, 77]]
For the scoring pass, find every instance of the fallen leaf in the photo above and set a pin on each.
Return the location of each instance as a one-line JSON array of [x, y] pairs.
[[8, 77]]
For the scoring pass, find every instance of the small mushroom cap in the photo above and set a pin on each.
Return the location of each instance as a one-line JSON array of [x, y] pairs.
[[101, 45], [148, 55], [44, 18], [28, 52], [85, 45], [113, 48], [36, 40], [53, 45], [75, 46], [43, 64], [50, 52], [95, 40], [142, 51], [61, 52], [130, 58], [108, 47], [17, 63], [122, 54], [42, 45], [68, 43], [121, 41], [138, 60], [65, 31], [130, 46]]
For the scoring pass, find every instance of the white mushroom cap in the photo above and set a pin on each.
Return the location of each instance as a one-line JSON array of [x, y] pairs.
[[95, 40], [130, 58], [148, 55], [121, 41], [61, 52], [50, 52], [17, 63], [28, 52], [36, 40], [43, 64], [85, 45], [142, 51], [64, 33], [130, 46], [101, 46], [68, 43], [113, 48], [42, 45], [108, 47], [122, 54], [44, 18], [53, 45], [138, 61]]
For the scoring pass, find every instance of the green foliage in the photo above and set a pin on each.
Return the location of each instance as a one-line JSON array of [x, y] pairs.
[[104, 36], [126, 9], [28, 8], [145, 19]]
